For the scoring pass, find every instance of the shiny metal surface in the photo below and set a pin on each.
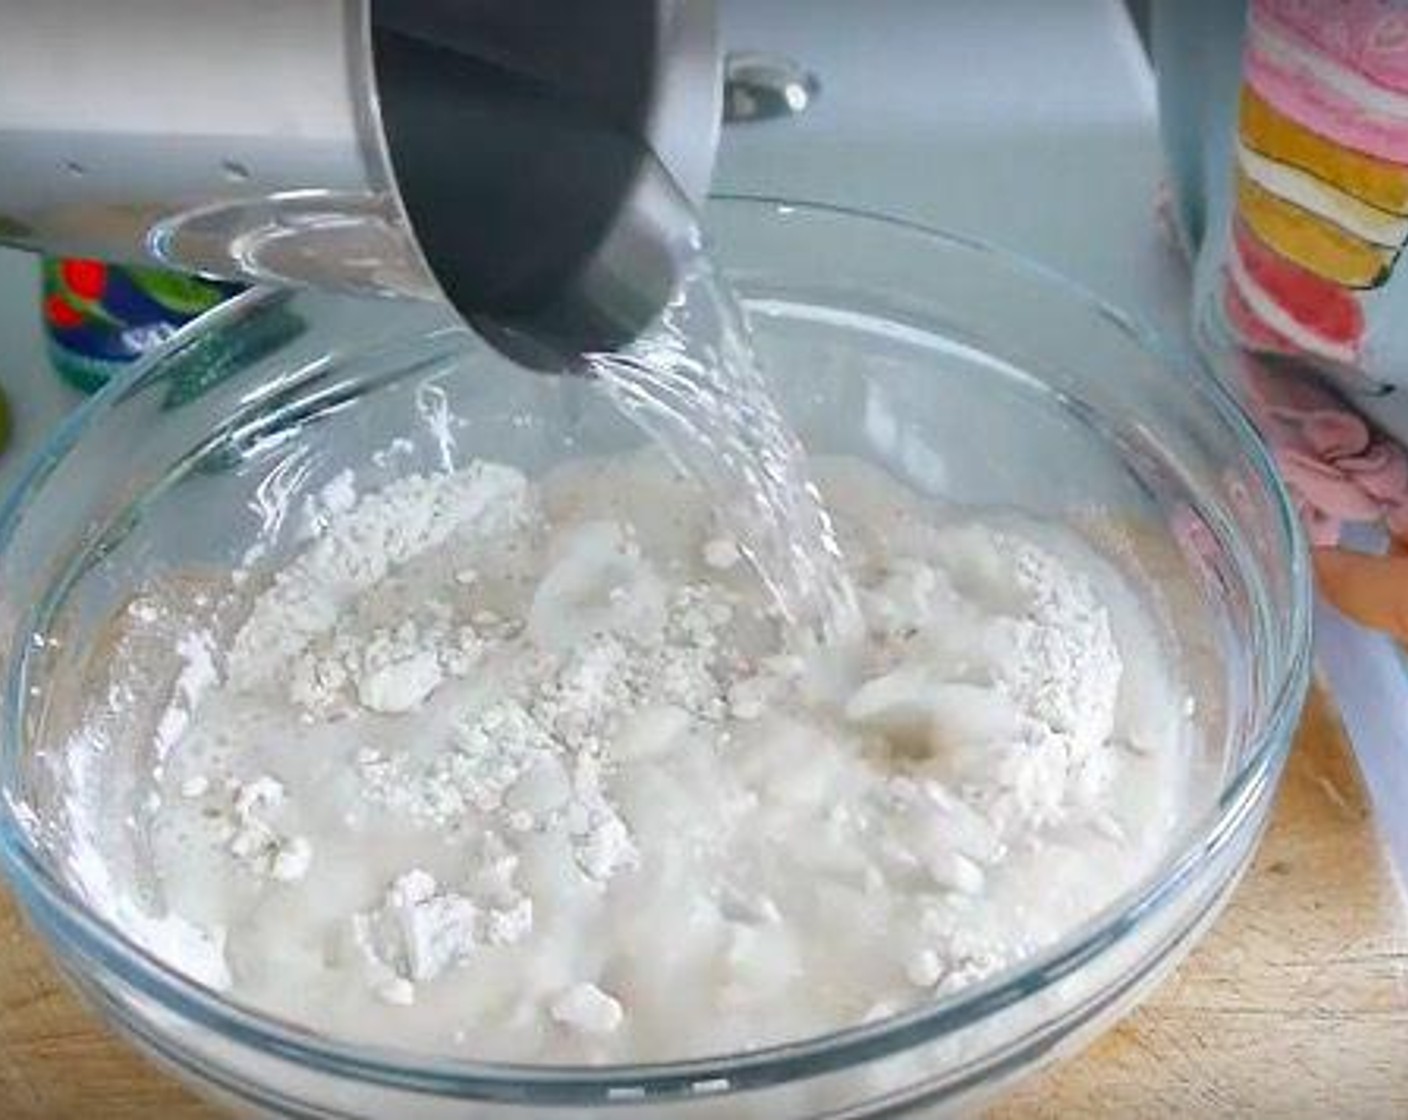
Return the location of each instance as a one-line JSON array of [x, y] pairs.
[[200, 134], [759, 87], [268, 141]]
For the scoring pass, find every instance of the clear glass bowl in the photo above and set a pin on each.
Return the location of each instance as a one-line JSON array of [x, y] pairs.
[[966, 373]]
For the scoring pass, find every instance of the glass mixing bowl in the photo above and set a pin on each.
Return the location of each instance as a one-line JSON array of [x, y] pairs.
[[967, 374]]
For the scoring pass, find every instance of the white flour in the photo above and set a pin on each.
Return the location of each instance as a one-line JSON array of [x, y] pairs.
[[524, 770]]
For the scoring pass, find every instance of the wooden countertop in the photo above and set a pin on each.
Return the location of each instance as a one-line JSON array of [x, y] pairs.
[[1296, 1004]]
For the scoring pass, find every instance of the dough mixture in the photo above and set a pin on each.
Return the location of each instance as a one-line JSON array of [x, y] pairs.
[[525, 769]]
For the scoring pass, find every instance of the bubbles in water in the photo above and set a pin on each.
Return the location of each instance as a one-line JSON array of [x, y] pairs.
[[694, 384]]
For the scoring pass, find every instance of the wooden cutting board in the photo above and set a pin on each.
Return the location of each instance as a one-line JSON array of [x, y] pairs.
[[1295, 1005]]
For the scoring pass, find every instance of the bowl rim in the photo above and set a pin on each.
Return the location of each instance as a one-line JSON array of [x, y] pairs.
[[64, 917]]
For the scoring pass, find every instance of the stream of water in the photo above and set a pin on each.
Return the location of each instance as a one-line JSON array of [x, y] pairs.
[[695, 385]]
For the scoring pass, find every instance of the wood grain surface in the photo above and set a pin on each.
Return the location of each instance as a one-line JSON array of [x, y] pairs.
[[1295, 1005]]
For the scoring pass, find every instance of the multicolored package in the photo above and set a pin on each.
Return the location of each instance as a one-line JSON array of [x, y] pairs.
[[100, 318], [1321, 210], [1286, 124]]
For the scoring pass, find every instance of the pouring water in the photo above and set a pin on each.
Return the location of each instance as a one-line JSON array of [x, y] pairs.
[[695, 384]]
